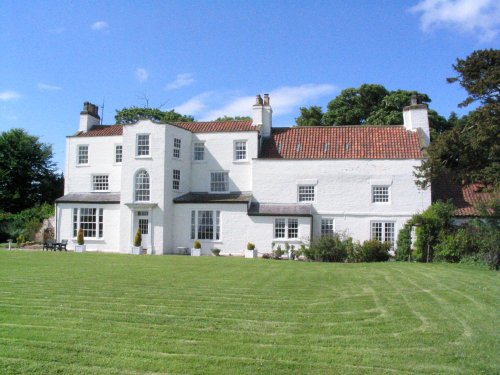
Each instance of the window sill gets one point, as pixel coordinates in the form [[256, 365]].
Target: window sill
[[144, 157], [100, 191], [218, 192], [243, 161], [82, 165], [286, 240], [177, 159], [117, 164]]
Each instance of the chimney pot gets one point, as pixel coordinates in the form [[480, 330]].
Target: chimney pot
[[414, 100], [258, 100], [266, 99]]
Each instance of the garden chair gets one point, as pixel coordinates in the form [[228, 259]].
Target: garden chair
[[49, 245], [62, 245]]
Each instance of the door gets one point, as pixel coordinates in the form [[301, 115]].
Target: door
[[142, 222]]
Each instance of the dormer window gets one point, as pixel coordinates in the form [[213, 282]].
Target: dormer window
[[297, 147], [325, 147]]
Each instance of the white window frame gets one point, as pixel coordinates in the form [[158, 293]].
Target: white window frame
[[176, 179], [384, 225], [79, 215], [323, 232], [378, 196], [215, 224], [94, 182], [202, 146], [304, 186], [137, 145], [136, 190], [78, 148], [287, 228], [176, 153], [237, 151], [120, 146], [225, 182]]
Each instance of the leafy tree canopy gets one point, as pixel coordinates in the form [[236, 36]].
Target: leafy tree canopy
[[312, 116], [131, 115], [470, 150], [235, 118], [27, 172], [479, 74], [368, 104]]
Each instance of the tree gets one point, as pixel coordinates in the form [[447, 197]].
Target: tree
[[312, 116], [235, 118], [133, 114], [354, 106], [470, 150], [479, 74], [27, 173]]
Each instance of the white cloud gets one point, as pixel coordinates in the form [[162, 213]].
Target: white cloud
[[194, 105], [141, 74], [9, 95], [284, 100], [46, 87], [480, 17], [182, 80], [99, 25]]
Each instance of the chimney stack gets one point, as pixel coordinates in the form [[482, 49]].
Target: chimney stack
[[89, 117], [263, 115], [416, 117]]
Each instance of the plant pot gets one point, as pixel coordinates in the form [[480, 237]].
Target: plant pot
[[136, 250], [195, 252], [80, 248], [250, 253]]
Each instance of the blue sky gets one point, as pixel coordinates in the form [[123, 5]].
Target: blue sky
[[210, 58]]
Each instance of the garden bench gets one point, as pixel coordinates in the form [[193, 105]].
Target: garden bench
[[49, 245]]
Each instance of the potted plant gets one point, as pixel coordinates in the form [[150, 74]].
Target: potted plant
[[250, 252], [216, 251], [196, 250], [137, 248], [80, 246]]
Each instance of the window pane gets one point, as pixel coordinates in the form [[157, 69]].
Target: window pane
[[389, 233], [142, 186], [205, 225], [177, 148], [101, 222], [219, 182], [88, 222], [217, 225], [176, 178], [118, 153], [380, 194], [377, 231], [279, 228], [142, 144], [75, 222], [306, 193], [193, 225], [326, 227], [293, 228], [144, 226], [83, 155], [100, 182], [240, 150], [199, 151]]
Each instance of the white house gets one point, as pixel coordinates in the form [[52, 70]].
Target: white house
[[230, 183]]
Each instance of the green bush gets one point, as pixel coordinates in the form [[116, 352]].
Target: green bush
[[79, 237], [278, 252], [375, 251], [330, 248], [404, 243], [250, 246], [138, 238], [26, 222], [20, 240], [216, 251], [197, 244]]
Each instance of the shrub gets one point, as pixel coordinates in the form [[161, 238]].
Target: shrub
[[327, 249], [216, 251], [250, 246], [404, 243], [375, 251], [20, 240], [79, 237], [197, 244], [278, 252], [266, 256], [354, 254], [138, 238]]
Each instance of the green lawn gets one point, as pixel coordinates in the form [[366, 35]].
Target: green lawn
[[119, 314]]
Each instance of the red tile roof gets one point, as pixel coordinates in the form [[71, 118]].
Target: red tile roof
[[464, 198], [194, 127], [343, 142], [102, 131], [217, 126]]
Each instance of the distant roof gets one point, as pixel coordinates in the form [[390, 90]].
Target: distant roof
[[236, 197], [260, 209], [89, 197], [464, 198], [343, 142], [194, 127]]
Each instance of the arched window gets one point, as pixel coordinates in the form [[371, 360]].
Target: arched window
[[142, 186]]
